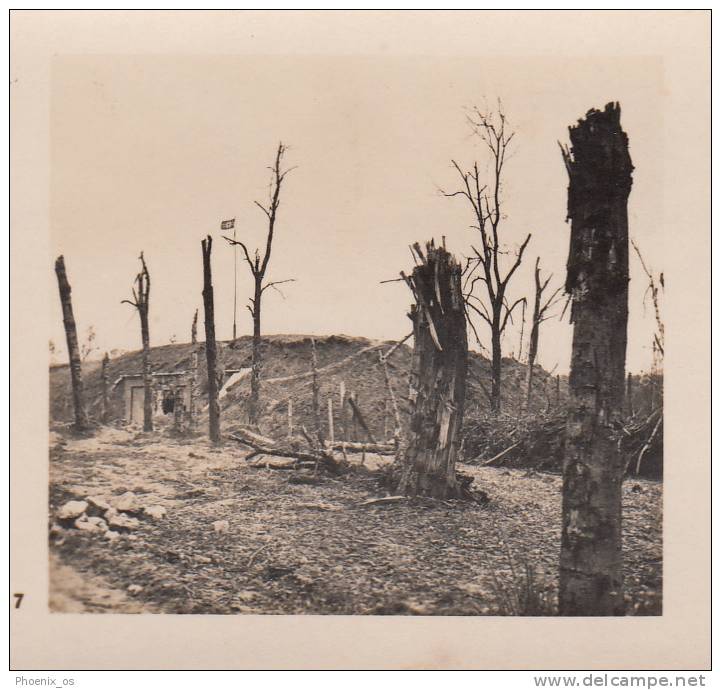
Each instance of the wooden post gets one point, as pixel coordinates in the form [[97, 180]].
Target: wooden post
[[210, 346], [385, 419], [106, 388], [290, 418], [331, 430], [599, 169], [71, 337], [398, 439], [316, 395], [354, 421], [427, 465], [343, 415]]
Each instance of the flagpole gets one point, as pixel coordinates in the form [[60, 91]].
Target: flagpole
[[235, 282]]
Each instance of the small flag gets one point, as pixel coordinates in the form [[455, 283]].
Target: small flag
[[227, 224]]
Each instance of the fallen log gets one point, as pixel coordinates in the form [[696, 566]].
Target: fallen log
[[266, 446], [280, 463], [380, 448]]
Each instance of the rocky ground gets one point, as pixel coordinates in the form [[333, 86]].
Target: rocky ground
[[176, 526]]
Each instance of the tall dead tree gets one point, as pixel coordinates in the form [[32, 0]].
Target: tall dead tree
[[141, 302], [258, 268], [192, 384], [105, 377], [71, 336], [654, 292], [427, 464], [485, 267], [210, 345], [599, 169], [540, 309]]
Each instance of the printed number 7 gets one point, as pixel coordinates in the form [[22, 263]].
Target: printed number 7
[[18, 599]]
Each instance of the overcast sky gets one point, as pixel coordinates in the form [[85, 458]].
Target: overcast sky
[[152, 152]]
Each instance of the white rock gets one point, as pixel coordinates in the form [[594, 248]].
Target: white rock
[[122, 521], [72, 509], [128, 502], [155, 512], [99, 523], [98, 502], [221, 526], [91, 524], [135, 589]]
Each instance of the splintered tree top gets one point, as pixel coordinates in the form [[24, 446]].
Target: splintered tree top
[[599, 169]]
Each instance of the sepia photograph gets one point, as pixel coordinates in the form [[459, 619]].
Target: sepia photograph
[[367, 333]]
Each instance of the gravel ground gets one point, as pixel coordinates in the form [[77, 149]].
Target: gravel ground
[[302, 544]]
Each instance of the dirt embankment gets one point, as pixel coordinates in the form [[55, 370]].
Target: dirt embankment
[[286, 375]]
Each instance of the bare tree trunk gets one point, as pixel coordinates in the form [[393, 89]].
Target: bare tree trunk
[[71, 336], [533, 338], [258, 268], [599, 168], [147, 372], [210, 345], [539, 316], [523, 325], [141, 302], [629, 395], [193, 382], [106, 389], [428, 463], [496, 365], [254, 401], [558, 390]]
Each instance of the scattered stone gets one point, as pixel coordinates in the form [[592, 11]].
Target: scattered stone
[[99, 523], [155, 512], [134, 589], [91, 524], [127, 503], [246, 595], [122, 521], [221, 526], [98, 503], [72, 510], [111, 535], [203, 559], [57, 534]]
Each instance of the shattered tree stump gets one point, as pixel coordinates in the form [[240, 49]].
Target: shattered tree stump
[[427, 464], [599, 169]]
